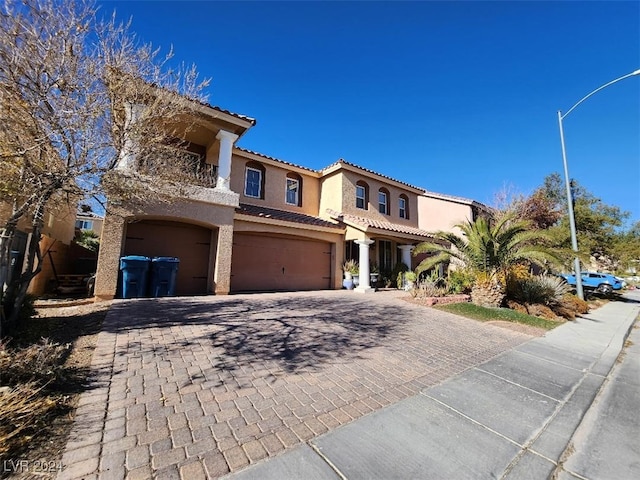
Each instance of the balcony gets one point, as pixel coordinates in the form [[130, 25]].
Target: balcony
[[179, 165]]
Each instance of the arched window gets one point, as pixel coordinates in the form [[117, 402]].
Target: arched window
[[403, 206], [293, 189], [254, 180], [362, 195], [383, 201]]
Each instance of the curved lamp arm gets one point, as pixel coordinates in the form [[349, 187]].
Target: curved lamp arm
[[572, 220], [636, 72]]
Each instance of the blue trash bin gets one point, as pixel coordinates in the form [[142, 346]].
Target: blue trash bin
[[135, 272], [163, 276]]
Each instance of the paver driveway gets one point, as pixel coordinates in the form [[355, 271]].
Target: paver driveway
[[200, 386]]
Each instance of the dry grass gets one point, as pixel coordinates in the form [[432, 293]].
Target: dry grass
[[43, 370]]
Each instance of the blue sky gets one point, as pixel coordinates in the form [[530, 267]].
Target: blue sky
[[455, 97]]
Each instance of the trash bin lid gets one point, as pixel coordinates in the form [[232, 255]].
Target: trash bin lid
[[166, 259], [140, 258]]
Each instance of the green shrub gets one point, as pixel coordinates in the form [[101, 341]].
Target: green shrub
[[397, 272], [460, 281]]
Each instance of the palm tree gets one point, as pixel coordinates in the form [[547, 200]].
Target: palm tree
[[489, 251]]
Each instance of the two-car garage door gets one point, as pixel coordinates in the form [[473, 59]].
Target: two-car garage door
[[265, 263]]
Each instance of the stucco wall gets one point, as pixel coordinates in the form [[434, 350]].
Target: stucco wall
[[437, 214], [349, 200], [275, 185], [58, 224], [331, 193], [197, 213]]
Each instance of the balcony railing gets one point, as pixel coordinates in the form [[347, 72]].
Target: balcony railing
[[182, 166]]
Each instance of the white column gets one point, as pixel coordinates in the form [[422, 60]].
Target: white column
[[406, 254], [224, 159], [363, 275], [132, 112]]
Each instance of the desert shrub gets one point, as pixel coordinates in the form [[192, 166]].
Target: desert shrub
[[429, 287], [570, 307], [543, 289], [40, 363], [23, 412], [460, 281], [541, 311]]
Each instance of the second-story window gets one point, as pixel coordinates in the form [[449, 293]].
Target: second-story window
[[293, 191], [383, 201], [253, 183], [362, 195], [403, 211]]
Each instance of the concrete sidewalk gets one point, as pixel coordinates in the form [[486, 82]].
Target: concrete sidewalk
[[556, 406]]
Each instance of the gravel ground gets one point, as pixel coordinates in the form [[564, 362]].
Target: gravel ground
[[63, 323]]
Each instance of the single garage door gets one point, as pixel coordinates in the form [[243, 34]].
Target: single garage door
[[264, 263], [189, 243]]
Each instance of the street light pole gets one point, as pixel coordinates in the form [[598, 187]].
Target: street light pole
[[572, 218]]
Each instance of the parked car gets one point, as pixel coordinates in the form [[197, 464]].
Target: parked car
[[600, 282]]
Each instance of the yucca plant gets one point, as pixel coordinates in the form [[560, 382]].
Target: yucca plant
[[542, 289]]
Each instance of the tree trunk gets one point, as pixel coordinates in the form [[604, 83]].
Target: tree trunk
[[17, 290], [487, 294]]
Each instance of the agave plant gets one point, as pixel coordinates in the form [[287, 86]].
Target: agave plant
[[489, 251]]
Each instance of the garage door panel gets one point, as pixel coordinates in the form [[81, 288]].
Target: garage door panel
[[189, 243], [277, 263]]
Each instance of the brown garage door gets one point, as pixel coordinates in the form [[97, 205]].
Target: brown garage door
[[189, 243], [276, 263]]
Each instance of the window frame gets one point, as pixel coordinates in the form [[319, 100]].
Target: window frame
[[246, 182], [365, 198], [403, 211], [84, 224], [287, 190], [383, 207]]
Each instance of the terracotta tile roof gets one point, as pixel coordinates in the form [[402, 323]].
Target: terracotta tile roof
[[466, 201], [370, 223], [283, 215], [344, 162], [246, 150], [237, 115]]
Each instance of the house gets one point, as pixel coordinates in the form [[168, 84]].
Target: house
[[89, 221], [252, 222], [55, 244], [440, 212]]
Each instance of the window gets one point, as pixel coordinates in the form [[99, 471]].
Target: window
[[383, 201], [254, 180], [84, 224], [253, 183], [362, 195], [384, 258], [293, 194], [403, 207]]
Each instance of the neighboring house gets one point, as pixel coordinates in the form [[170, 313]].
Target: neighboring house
[[261, 223], [440, 212], [89, 221], [57, 235]]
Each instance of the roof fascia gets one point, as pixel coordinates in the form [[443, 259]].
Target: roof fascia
[[275, 162], [379, 177], [283, 223]]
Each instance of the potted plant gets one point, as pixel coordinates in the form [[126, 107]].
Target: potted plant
[[374, 273], [350, 268], [410, 280]]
